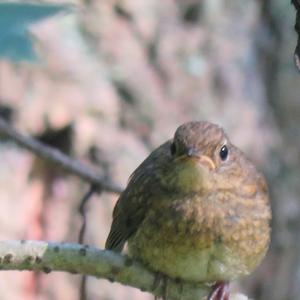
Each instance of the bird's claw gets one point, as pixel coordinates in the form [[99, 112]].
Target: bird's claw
[[220, 291], [161, 279]]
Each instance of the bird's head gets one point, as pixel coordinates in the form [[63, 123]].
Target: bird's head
[[201, 158]]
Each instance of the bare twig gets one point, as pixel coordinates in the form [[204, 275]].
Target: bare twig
[[83, 202], [93, 189], [76, 258], [82, 291], [57, 157]]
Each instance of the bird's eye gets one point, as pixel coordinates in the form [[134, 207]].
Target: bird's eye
[[224, 152], [173, 148]]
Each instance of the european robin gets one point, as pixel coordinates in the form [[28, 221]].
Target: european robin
[[196, 209]]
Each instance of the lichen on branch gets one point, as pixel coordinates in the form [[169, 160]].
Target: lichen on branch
[[88, 260]]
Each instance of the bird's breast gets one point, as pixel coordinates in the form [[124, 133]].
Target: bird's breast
[[201, 238]]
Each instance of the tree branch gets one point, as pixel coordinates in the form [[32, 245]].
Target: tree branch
[[57, 157], [87, 260]]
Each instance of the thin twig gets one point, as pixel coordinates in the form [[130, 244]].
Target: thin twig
[[57, 157], [87, 260], [82, 292], [81, 210]]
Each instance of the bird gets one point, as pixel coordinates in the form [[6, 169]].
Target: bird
[[196, 209]]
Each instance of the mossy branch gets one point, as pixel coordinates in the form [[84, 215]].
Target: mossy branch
[[87, 260]]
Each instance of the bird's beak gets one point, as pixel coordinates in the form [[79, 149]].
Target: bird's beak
[[207, 161], [202, 159]]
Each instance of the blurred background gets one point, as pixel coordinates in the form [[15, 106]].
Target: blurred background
[[108, 81]]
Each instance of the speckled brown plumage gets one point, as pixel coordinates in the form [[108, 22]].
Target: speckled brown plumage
[[191, 214]]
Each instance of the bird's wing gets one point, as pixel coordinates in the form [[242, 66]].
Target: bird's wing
[[143, 187]]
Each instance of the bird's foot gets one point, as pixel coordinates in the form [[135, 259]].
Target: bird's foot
[[220, 291], [161, 280]]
